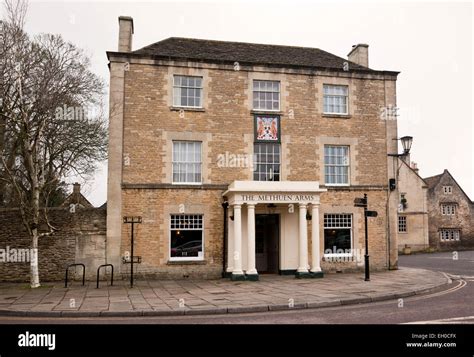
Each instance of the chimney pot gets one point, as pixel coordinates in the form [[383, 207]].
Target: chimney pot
[[125, 34], [359, 54]]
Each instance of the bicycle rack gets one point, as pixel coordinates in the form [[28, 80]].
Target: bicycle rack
[[83, 273], [112, 276]]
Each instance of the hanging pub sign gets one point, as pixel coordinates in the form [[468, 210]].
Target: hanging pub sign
[[267, 128]]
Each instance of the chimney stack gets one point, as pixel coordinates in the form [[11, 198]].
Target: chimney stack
[[359, 54], [414, 166], [76, 188], [125, 34]]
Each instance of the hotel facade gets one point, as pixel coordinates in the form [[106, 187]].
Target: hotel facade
[[244, 159]]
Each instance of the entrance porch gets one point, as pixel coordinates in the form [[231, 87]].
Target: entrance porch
[[268, 228]]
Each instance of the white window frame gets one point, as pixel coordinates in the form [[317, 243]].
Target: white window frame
[[173, 162], [326, 96], [266, 91], [451, 234], [448, 209], [348, 165], [180, 259], [448, 190], [177, 88], [339, 255], [402, 222], [261, 175]]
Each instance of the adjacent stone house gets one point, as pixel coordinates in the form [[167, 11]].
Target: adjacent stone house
[[451, 214], [412, 208], [245, 159]]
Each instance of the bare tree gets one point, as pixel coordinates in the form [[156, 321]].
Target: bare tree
[[51, 120]]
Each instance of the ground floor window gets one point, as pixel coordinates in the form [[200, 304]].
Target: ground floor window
[[186, 234], [449, 235], [337, 234], [402, 224]]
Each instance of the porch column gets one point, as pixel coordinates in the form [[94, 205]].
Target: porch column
[[315, 249], [237, 273], [251, 271], [303, 242]]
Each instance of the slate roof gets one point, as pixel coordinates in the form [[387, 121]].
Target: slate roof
[[432, 181], [246, 53]]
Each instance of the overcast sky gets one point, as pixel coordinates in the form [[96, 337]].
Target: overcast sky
[[429, 43]]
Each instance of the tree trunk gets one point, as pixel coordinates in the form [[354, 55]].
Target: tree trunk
[[34, 271], [34, 231]]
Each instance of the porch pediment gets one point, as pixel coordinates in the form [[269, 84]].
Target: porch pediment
[[286, 192]]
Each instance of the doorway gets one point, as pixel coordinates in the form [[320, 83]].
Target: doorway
[[267, 243]]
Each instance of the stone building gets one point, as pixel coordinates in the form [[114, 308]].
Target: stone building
[[451, 214], [412, 208], [246, 158]]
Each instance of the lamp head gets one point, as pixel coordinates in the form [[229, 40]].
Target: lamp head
[[406, 143]]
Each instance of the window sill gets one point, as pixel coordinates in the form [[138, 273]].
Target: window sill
[[267, 112], [187, 109], [186, 183], [338, 116], [186, 262]]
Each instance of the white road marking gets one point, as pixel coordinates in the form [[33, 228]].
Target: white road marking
[[463, 319], [451, 258]]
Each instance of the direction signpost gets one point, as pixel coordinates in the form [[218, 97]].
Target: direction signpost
[[132, 220], [362, 202]]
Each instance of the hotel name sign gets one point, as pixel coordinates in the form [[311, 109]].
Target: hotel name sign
[[277, 198]]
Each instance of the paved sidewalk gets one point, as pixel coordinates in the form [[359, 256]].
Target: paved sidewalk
[[165, 298]]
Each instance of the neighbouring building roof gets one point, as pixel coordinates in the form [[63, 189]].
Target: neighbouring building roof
[[433, 181], [246, 53], [415, 172], [76, 197]]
